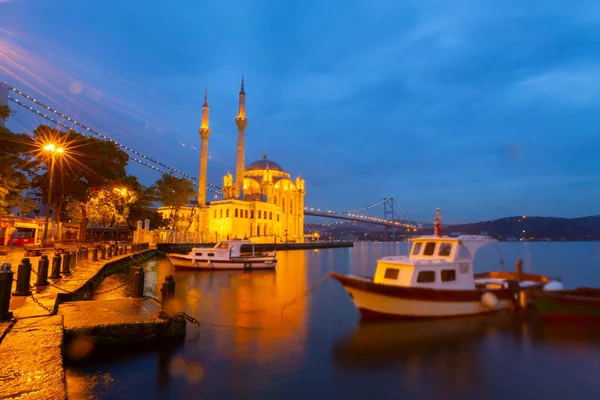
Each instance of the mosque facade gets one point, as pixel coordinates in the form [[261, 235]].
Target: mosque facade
[[261, 202]]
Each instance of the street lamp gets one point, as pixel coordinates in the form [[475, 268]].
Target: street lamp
[[54, 150]]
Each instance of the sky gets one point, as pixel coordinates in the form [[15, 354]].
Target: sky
[[485, 109]]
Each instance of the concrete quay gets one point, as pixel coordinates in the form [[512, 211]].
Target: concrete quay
[[51, 323]]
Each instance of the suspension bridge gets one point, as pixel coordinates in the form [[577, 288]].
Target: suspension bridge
[[393, 218]]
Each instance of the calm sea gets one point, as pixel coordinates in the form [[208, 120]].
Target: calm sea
[[264, 337]]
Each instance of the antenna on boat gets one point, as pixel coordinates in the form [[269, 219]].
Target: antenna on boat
[[437, 226]]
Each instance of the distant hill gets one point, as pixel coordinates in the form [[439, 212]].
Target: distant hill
[[535, 228]]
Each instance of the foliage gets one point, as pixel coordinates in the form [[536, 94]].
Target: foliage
[[110, 207], [5, 113], [86, 163], [15, 153], [172, 192]]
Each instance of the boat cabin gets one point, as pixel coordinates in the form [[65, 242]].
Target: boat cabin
[[222, 250], [433, 262]]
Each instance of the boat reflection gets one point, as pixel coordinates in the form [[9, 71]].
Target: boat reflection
[[381, 343]]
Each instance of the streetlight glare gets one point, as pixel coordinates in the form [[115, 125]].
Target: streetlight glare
[[52, 148]]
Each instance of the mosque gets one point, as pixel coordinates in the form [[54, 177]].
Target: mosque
[[260, 203]]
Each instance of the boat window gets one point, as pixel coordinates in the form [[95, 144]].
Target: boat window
[[391, 273], [198, 254], [223, 245], [416, 249], [448, 275], [429, 249], [426, 276], [445, 249], [210, 254]]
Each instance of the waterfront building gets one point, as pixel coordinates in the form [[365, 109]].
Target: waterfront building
[[262, 202]]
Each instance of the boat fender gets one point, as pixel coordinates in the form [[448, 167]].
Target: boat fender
[[489, 299], [247, 265], [553, 285]]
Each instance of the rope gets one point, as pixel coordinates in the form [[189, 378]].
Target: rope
[[501, 259], [309, 291]]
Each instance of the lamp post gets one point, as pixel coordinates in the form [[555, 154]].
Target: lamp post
[[54, 150]]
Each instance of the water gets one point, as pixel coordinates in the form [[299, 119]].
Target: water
[[264, 337]]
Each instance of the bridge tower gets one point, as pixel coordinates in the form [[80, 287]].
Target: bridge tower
[[241, 123], [390, 215]]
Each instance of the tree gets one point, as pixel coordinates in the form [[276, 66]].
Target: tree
[[86, 163], [15, 169], [173, 192], [110, 207], [5, 113], [142, 208]]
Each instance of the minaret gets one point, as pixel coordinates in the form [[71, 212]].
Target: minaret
[[204, 134], [241, 123]]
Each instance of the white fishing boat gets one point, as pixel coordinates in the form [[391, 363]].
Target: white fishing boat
[[436, 280], [225, 255]]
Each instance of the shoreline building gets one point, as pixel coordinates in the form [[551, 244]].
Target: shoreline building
[[261, 203]]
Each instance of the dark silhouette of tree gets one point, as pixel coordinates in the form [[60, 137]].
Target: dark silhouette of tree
[[173, 192]]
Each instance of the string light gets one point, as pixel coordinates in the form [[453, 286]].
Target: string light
[[210, 187]]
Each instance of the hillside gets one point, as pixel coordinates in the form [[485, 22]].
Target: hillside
[[534, 228]]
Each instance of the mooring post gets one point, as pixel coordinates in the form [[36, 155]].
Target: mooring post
[[168, 289], [56, 260], [23, 278], [109, 251], [95, 253], [74, 258], [103, 252], [42, 273], [6, 278], [66, 263], [138, 283]]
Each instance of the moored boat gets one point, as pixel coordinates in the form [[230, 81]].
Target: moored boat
[[225, 255], [436, 280], [578, 304]]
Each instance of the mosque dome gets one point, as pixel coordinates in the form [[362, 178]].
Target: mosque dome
[[261, 165]]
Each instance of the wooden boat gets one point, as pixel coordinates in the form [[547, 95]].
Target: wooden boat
[[225, 255], [579, 304], [436, 280]]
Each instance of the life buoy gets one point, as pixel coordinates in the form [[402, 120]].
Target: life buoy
[[247, 265]]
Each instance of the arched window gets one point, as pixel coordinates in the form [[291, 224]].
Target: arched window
[[221, 213], [291, 206], [270, 215], [227, 213], [252, 214], [245, 213], [275, 200], [259, 214], [257, 230], [215, 214], [236, 212]]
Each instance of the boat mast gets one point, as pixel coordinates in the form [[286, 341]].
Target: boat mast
[[437, 226]]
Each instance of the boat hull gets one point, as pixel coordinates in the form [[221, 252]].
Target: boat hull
[[181, 262], [376, 301], [582, 304]]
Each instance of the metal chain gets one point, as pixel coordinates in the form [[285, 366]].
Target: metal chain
[[193, 320], [36, 301], [115, 288]]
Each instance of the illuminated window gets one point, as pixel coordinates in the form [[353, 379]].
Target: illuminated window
[[271, 215], [445, 249], [221, 213], [236, 212], [259, 214], [227, 213]]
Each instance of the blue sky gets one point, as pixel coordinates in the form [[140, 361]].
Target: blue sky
[[485, 109]]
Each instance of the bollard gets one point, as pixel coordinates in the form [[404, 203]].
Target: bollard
[[66, 264], [23, 278], [138, 283], [122, 250], [109, 251], [103, 252], [168, 289], [6, 278], [42, 273], [116, 248], [74, 258], [125, 249], [55, 267], [95, 254]]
